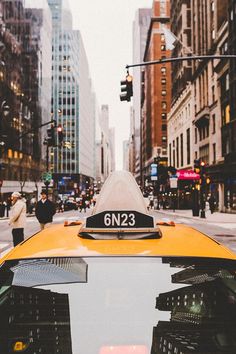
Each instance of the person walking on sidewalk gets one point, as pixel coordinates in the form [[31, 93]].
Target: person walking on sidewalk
[[17, 217], [212, 203], [44, 211]]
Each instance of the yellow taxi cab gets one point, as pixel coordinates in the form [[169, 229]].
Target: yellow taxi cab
[[120, 282]]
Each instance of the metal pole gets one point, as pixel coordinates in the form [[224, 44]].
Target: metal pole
[[47, 169], [194, 57], [202, 203]]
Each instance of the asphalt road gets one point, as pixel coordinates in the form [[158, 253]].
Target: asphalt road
[[225, 234]]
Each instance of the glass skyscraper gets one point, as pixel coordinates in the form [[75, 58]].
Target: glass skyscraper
[[72, 104]]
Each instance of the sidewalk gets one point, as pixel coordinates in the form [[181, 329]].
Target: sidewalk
[[213, 218], [7, 217]]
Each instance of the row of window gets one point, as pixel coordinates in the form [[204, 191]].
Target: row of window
[[65, 100], [176, 150]]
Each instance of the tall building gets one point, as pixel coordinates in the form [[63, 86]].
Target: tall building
[[228, 130], [25, 64], [211, 92], [112, 147], [126, 162], [140, 28], [106, 144], [157, 89], [73, 102], [37, 318], [180, 126], [38, 14]]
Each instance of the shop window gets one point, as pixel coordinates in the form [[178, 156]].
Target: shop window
[[10, 153]]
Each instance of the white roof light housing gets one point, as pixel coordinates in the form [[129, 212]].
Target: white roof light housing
[[120, 211]]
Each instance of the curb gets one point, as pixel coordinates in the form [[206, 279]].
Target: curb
[[192, 217]]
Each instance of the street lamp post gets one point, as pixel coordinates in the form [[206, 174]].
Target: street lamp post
[[4, 112]]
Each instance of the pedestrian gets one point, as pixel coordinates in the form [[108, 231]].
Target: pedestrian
[[151, 201], [17, 217], [83, 204], [44, 211], [212, 202]]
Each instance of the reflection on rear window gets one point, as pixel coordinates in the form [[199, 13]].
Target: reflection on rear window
[[118, 305]]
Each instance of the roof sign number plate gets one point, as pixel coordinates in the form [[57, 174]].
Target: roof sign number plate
[[120, 219]]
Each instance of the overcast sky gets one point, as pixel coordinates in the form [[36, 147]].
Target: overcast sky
[[106, 28]]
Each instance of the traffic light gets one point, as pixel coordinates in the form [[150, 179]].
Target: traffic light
[[197, 166], [126, 88], [202, 168], [51, 141], [60, 134]]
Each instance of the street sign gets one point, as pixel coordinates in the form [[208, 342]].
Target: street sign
[[153, 172], [173, 182], [47, 176]]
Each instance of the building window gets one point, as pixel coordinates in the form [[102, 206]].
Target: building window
[[225, 115], [213, 94], [163, 70], [173, 152], [170, 160], [164, 116], [213, 124], [163, 92], [195, 135], [164, 127], [204, 153], [213, 34], [163, 81], [162, 8], [181, 150], [214, 153], [177, 151], [188, 145], [163, 105], [163, 47], [227, 82]]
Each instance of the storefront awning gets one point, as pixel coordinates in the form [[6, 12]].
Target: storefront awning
[[187, 175]]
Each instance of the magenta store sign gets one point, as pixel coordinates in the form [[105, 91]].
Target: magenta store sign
[[187, 175]]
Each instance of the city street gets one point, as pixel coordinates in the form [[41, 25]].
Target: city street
[[223, 230]]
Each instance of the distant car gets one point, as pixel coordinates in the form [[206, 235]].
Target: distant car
[[70, 205], [118, 282]]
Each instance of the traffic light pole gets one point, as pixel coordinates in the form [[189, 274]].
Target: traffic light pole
[[38, 127], [47, 169], [193, 57], [202, 203]]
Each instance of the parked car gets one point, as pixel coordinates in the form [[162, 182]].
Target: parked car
[[70, 205]]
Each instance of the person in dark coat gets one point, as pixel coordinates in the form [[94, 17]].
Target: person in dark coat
[[44, 211], [212, 203]]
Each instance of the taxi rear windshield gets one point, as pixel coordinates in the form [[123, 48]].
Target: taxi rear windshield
[[118, 305]]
